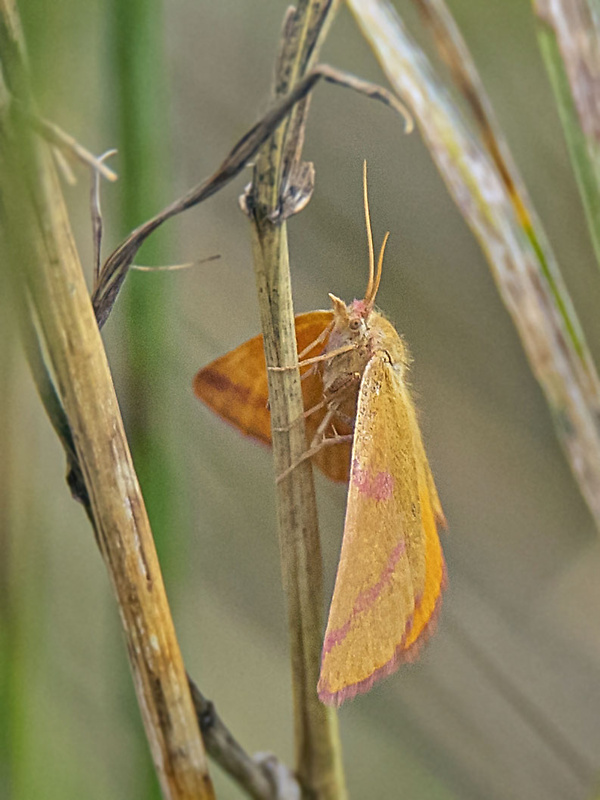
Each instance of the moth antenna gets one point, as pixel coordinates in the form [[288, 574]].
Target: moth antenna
[[369, 291], [379, 269]]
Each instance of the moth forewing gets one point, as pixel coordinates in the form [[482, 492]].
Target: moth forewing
[[235, 385], [381, 576], [429, 602]]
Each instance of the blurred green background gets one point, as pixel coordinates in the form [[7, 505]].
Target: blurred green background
[[504, 701]]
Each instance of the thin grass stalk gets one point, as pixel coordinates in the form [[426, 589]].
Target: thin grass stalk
[[255, 775], [569, 38], [318, 749], [511, 238], [42, 252], [454, 51]]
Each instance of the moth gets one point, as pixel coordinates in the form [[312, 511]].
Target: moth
[[362, 428]]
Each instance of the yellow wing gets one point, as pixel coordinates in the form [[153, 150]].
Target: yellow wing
[[391, 571]]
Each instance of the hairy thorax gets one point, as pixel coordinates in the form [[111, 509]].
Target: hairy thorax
[[368, 332]]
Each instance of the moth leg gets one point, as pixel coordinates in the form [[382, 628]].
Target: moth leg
[[343, 383], [323, 357], [310, 411], [302, 363], [312, 451], [319, 439], [333, 410], [347, 420], [306, 414], [310, 371], [320, 432], [319, 340], [333, 404], [304, 375]]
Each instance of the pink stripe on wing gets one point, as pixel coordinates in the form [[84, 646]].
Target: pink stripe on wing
[[401, 656], [366, 599], [378, 487]]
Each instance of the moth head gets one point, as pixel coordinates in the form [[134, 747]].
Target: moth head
[[350, 320]]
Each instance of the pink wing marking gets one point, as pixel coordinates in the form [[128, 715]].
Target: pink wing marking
[[401, 656], [365, 599], [378, 487]]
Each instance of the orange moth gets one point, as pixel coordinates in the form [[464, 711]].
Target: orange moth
[[362, 426]]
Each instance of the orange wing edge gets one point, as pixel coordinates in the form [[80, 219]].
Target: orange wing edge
[[215, 380], [402, 655]]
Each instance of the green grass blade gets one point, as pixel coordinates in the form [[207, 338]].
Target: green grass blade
[[137, 35], [569, 38], [142, 141]]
